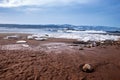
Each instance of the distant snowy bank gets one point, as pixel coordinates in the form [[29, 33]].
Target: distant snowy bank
[[84, 36]]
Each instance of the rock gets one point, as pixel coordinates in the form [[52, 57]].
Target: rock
[[81, 48], [87, 68], [21, 42]]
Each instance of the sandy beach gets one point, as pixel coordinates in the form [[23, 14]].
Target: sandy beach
[[57, 59], [59, 39]]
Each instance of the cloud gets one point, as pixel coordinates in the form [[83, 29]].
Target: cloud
[[41, 3]]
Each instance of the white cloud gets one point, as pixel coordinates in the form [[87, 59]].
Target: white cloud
[[41, 3]]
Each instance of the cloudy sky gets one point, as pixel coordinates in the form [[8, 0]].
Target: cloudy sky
[[76, 12]]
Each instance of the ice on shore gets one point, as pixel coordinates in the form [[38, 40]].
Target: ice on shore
[[98, 37], [21, 41], [15, 47], [12, 37], [30, 37], [38, 37], [87, 31], [25, 45], [84, 36], [88, 35]]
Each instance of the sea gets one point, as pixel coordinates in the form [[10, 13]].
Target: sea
[[84, 33]]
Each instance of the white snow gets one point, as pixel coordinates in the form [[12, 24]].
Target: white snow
[[30, 37], [40, 39], [11, 37], [85, 36], [87, 31], [25, 45], [21, 41]]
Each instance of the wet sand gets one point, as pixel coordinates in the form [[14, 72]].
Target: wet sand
[[58, 59]]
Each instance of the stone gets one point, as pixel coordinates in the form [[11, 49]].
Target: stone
[[81, 48], [87, 68]]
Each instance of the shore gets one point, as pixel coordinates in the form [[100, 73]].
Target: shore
[[57, 59]]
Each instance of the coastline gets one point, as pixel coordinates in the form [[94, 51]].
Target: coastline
[[57, 59]]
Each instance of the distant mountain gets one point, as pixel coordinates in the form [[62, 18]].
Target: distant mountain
[[64, 26]]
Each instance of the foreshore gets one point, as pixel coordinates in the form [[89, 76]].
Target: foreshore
[[57, 59]]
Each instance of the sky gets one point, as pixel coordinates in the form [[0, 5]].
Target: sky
[[75, 12]]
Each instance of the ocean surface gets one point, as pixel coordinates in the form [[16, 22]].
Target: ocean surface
[[85, 33]]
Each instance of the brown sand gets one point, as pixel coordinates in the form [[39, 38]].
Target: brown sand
[[66, 65]]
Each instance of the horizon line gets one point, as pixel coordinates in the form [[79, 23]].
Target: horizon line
[[54, 24]]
